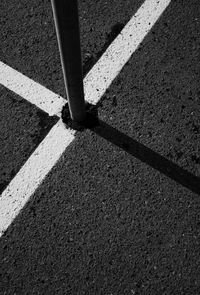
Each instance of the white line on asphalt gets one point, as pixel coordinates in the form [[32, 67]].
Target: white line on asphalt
[[119, 52], [33, 172], [96, 82], [30, 90]]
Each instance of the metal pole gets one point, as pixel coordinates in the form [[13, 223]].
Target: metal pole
[[67, 28]]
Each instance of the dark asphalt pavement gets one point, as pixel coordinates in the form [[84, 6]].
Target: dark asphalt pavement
[[29, 45], [23, 127], [120, 212]]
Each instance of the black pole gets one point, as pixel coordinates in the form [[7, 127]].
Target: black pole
[[68, 34]]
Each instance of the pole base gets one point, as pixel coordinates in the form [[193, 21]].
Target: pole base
[[89, 122]]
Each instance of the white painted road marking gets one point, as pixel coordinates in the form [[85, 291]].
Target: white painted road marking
[[96, 82], [30, 90], [119, 52], [33, 172]]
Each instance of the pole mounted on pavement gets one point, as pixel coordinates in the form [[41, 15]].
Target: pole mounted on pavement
[[66, 20]]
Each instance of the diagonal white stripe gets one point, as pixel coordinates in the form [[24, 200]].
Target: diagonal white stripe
[[119, 52], [30, 90], [33, 172], [96, 82]]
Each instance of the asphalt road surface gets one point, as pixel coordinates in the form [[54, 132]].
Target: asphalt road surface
[[120, 211]]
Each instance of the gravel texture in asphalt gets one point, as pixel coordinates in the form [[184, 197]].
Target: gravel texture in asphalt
[[119, 213], [23, 127]]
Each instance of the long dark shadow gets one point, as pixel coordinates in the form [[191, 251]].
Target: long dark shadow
[[148, 156]]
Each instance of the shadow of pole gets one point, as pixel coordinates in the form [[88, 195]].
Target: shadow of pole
[[148, 156]]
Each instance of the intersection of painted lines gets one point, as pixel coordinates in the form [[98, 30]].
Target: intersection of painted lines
[[34, 171]]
